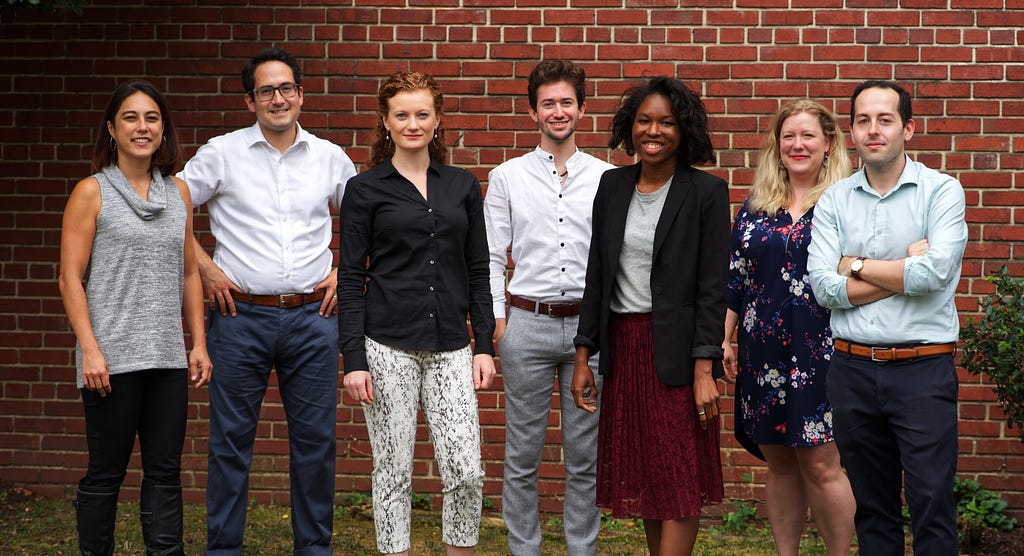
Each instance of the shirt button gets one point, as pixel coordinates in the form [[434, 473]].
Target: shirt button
[[562, 293], [559, 195], [431, 234], [430, 210], [559, 219], [563, 269], [431, 288], [431, 315], [431, 261], [561, 245]]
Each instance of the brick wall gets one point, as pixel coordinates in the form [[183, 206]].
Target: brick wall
[[962, 60]]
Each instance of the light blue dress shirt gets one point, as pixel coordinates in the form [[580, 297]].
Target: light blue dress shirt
[[851, 219]]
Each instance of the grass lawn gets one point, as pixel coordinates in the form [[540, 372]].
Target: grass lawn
[[36, 526]]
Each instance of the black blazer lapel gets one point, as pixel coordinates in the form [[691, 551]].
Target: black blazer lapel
[[620, 198], [682, 184]]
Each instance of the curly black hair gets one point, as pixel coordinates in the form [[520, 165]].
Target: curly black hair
[[695, 141]]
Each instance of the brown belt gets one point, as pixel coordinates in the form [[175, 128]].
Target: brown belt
[[892, 353], [284, 301], [553, 310]]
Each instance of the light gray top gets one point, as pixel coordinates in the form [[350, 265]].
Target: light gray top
[[632, 292], [135, 278]]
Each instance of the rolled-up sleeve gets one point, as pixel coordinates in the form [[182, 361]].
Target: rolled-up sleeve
[[947, 239], [203, 174], [824, 253]]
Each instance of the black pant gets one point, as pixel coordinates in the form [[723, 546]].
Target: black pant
[[895, 422], [150, 403]]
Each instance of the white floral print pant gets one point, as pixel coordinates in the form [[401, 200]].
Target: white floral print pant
[[440, 382]]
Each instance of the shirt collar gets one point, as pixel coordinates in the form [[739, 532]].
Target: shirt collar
[[548, 157], [254, 136], [909, 177], [388, 168]]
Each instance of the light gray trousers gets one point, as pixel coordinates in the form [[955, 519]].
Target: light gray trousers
[[534, 349]]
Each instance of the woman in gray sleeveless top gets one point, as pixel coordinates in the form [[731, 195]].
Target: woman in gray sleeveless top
[[127, 275]]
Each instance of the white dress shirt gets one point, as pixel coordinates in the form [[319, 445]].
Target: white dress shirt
[[270, 212], [547, 223]]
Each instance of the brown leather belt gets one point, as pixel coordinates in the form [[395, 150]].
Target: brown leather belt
[[553, 310], [284, 301], [875, 353]]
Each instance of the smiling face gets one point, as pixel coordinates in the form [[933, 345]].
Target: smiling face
[[879, 134], [557, 113], [411, 119], [279, 114], [803, 146], [138, 127], [656, 133]]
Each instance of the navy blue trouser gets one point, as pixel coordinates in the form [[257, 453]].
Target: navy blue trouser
[[302, 347], [896, 422], [151, 404]]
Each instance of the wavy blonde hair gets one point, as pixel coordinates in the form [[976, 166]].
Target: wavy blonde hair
[[771, 189]]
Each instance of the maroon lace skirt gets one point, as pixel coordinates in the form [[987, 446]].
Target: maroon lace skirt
[[653, 459]]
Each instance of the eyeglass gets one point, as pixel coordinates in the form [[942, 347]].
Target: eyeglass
[[287, 90]]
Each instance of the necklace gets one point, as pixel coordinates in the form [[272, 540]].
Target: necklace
[[563, 174]]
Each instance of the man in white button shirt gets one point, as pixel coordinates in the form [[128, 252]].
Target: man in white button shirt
[[541, 204], [269, 189]]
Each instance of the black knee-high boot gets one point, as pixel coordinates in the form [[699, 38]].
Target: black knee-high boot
[[161, 519], [95, 513]]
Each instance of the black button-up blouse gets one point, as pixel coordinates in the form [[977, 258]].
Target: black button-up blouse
[[411, 269]]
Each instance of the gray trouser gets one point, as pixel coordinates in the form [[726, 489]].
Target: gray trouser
[[534, 349]]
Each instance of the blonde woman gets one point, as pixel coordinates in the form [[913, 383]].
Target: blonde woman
[[782, 412]]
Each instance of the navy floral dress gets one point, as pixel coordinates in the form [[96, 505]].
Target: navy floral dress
[[785, 342]]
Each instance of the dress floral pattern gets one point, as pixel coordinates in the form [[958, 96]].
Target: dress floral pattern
[[785, 342]]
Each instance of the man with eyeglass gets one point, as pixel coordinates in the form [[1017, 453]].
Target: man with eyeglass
[[269, 189]]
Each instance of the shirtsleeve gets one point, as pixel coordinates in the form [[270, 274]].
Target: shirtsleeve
[[354, 245], [498, 218], [203, 173], [738, 264], [824, 253], [481, 317], [345, 172], [947, 239]]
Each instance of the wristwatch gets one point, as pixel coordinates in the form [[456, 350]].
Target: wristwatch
[[856, 266]]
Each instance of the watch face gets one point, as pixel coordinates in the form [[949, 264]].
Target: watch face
[[856, 265]]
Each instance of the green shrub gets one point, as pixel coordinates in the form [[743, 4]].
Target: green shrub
[[994, 345], [980, 506], [741, 520]]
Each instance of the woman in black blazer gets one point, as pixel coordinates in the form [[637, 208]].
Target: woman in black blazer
[[654, 307]]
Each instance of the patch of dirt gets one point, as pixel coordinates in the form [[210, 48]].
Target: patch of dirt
[[987, 542]]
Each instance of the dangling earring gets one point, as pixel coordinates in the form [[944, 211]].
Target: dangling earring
[[435, 133], [387, 135], [824, 161]]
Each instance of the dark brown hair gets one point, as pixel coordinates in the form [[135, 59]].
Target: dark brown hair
[[553, 71], [167, 157]]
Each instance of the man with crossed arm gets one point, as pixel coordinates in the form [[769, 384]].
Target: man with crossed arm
[[885, 256]]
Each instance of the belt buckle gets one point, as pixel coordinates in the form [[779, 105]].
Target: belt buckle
[[550, 310], [282, 301], [876, 358]]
